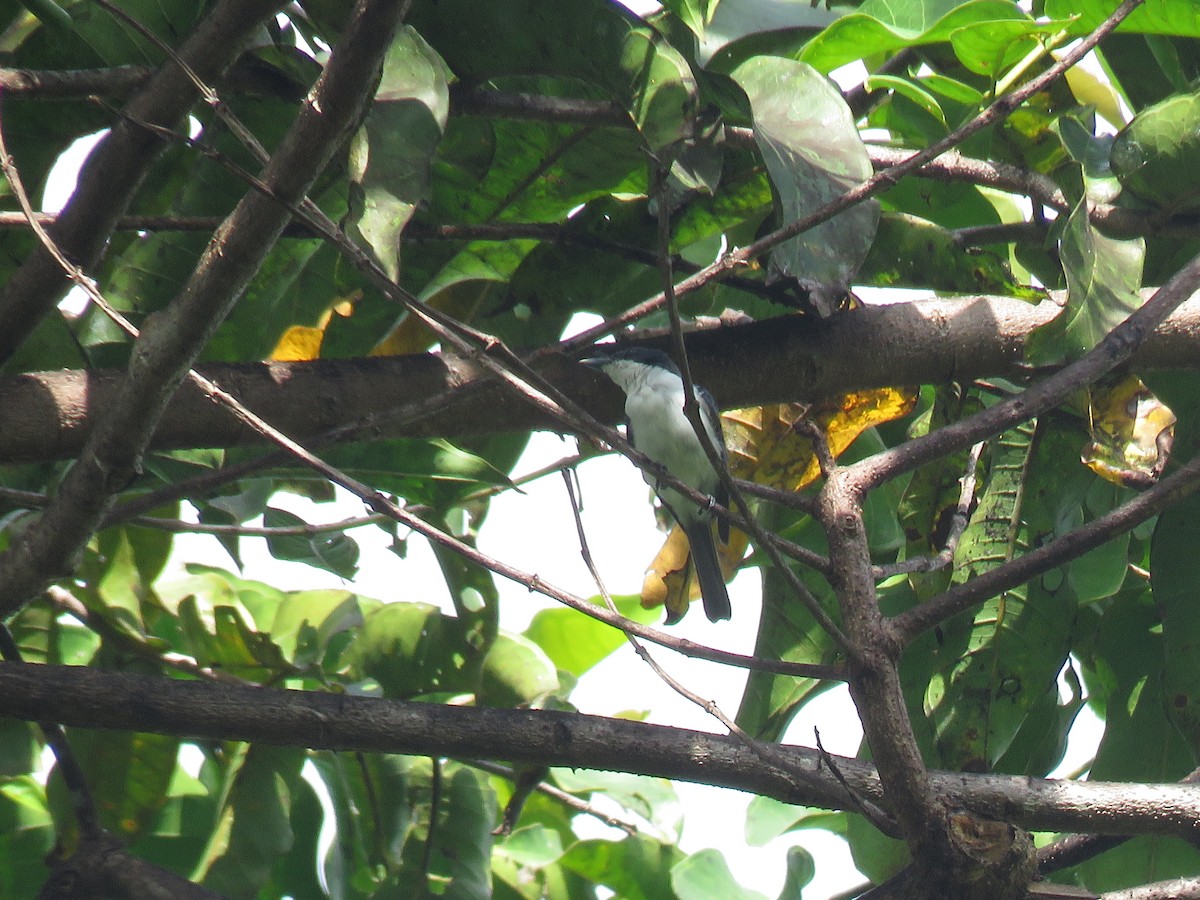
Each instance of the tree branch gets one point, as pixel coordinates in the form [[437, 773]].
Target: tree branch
[[794, 358], [91, 698]]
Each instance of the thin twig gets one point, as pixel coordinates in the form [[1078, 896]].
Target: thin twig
[[558, 794], [65, 602], [68, 764], [958, 525]]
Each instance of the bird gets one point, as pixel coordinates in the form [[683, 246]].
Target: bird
[[655, 424]]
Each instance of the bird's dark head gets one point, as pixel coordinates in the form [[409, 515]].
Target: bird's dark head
[[637, 356]]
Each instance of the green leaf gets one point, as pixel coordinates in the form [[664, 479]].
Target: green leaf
[[253, 830], [390, 156], [406, 466], [534, 846], [1175, 579], [910, 89], [575, 642], [996, 664], [880, 27], [586, 40], [637, 868], [1153, 16], [801, 869], [410, 649], [308, 620], [768, 818], [654, 799], [695, 14], [1151, 151], [329, 550], [516, 673], [706, 876], [992, 47], [787, 631], [814, 154], [1103, 278], [912, 252], [127, 774], [26, 837], [462, 848]]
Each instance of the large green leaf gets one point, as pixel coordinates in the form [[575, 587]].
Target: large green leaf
[[516, 673], [1175, 578], [253, 830], [1103, 278], [575, 642], [1175, 17], [332, 551], [411, 649], [814, 154], [1000, 662], [1152, 150], [127, 775], [391, 154], [637, 868], [706, 876], [788, 632], [26, 837], [879, 26], [1125, 680]]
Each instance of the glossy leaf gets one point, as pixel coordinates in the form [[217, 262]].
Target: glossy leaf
[[1151, 151], [1103, 278], [814, 154], [333, 551], [390, 156], [878, 26]]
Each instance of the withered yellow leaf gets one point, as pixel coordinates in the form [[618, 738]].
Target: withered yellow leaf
[[765, 447]]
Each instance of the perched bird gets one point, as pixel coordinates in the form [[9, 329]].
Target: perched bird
[[656, 426]]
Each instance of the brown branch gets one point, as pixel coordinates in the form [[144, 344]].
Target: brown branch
[[91, 698], [49, 414], [117, 165]]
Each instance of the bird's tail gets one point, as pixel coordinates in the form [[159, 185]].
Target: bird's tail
[[708, 571]]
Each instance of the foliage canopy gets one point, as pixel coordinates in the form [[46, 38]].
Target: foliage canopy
[[495, 169]]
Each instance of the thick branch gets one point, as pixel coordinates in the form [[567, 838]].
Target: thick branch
[[91, 698], [794, 358], [111, 175]]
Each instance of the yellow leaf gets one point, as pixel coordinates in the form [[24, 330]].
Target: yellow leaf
[[671, 582], [300, 342], [764, 447], [1131, 432], [303, 342]]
